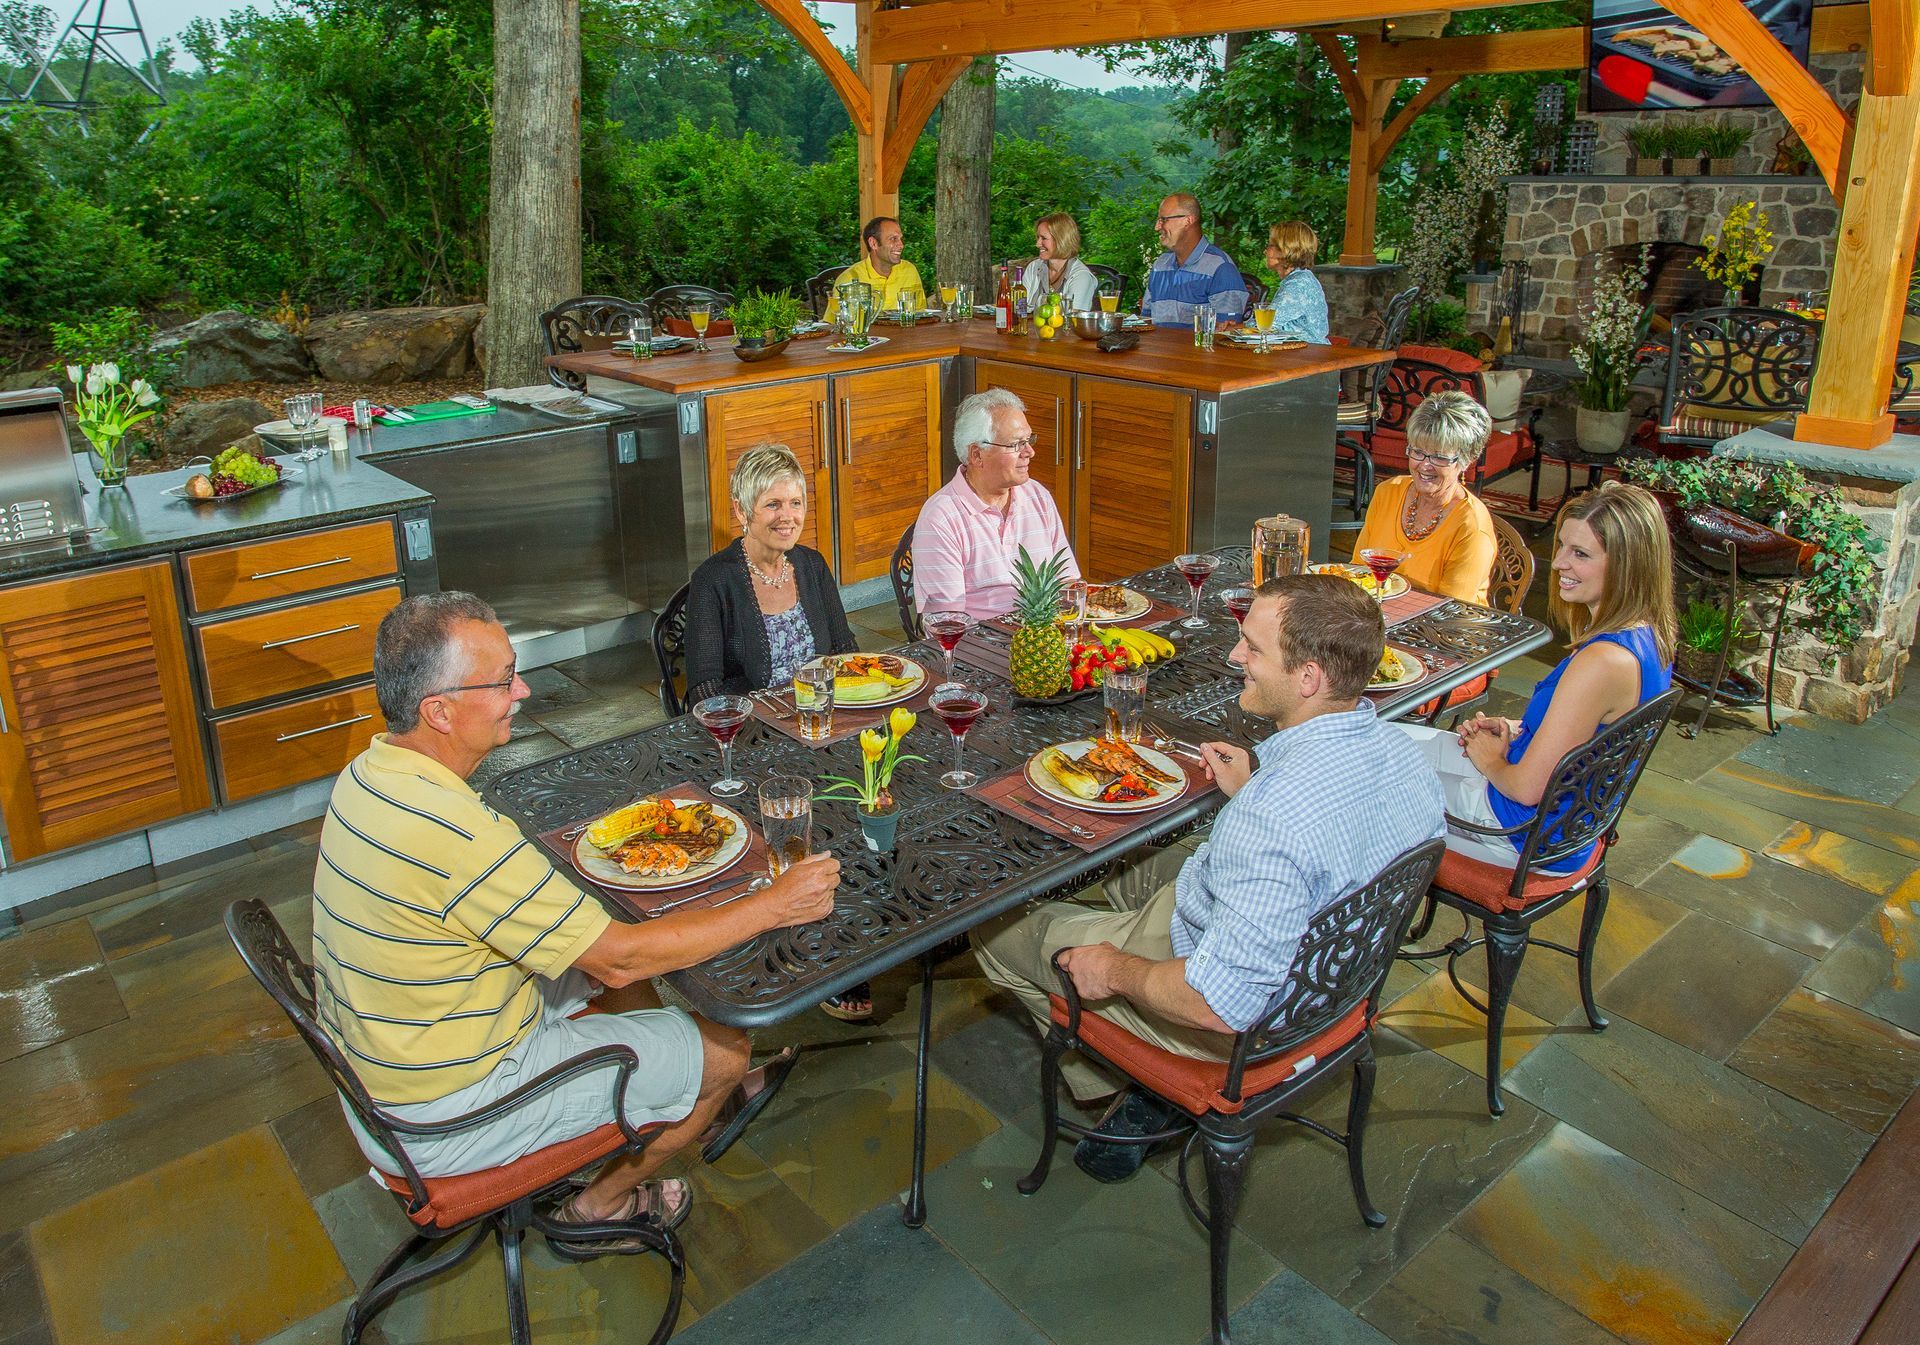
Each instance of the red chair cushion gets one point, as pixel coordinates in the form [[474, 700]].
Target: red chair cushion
[[1506, 449], [1195, 1084], [681, 327], [452, 1201], [1460, 695], [1491, 886]]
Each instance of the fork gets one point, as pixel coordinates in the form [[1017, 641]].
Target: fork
[[774, 705], [1038, 811], [1163, 742]]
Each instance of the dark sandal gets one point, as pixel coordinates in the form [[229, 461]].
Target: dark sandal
[[650, 1202], [852, 1005], [738, 1111]]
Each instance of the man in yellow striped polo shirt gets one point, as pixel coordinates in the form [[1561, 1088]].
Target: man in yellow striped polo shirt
[[450, 956]]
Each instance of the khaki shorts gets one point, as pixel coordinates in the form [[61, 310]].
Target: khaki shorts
[[663, 1088]]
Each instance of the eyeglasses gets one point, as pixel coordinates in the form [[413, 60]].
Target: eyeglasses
[[1441, 459], [1017, 446], [1158, 220], [503, 685]]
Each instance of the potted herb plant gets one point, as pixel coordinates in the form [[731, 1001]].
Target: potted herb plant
[[1648, 141], [763, 323], [1614, 320], [1705, 631], [1735, 255], [1687, 148], [1721, 144], [872, 792], [106, 409]]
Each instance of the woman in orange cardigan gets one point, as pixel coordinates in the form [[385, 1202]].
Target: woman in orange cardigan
[[1444, 529]]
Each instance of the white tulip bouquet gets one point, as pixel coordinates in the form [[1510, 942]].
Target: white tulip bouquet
[[107, 410]]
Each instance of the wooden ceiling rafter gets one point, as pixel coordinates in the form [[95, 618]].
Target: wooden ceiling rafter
[[807, 31]]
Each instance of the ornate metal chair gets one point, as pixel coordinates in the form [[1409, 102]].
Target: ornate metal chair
[[900, 571], [590, 322], [1112, 273], [669, 648], [1317, 1025], [1418, 372], [1730, 369], [820, 288], [669, 304], [1256, 291], [505, 1201], [1507, 587], [1356, 417], [1586, 794]]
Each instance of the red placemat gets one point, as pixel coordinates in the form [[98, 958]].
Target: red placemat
[[1408, 606], [732, 882], [1005, 792], [846, 723]]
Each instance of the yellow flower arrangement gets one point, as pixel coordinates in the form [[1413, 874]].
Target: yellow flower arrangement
[[1744, 243], [880, 754]]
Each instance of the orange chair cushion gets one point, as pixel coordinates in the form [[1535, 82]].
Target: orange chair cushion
[[1460, 695], [681, 327], [452, 1201], [1491, 886], [1195, 1084]]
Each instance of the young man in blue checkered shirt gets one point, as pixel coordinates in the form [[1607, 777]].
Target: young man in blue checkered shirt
[[1316, 810]]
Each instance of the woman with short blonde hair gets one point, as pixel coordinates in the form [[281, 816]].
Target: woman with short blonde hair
[[1429, 514], [1057, 268], [1299, 304]]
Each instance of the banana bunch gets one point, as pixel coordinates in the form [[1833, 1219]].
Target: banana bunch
[[1143, 645]]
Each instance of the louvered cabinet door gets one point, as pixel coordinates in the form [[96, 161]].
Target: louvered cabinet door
[[1131, 486], [100, 734], [887, 446], [794, 414]]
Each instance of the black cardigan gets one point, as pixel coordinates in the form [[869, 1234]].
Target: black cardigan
[[727, 649]]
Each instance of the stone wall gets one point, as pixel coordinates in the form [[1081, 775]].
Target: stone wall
[[1356, 295]]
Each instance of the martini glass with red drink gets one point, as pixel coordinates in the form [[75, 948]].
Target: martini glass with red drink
[[722, 716], [948, 628], [1238, 602], [958, 706], [1382, 562], [1195, 570]]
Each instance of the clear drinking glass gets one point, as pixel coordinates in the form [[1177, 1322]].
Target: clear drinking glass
[[722, 716], [1073, 611], [949, 299], [640, 332], [303, 409], [362, 414], [963, 301], [958, 707], [786, 819], [1195, 569], [698, 315], [1204, 320], [948, 628], [1109, 295], [1263, 319], [1124, 693], [905, 307], [813, 699]]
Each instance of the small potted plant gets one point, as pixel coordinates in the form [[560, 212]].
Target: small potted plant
[[106, 409], [1706, 630], [872, 793], [1722, 145], [1735, 254], [1648, 141], [1687, 148], [763, 323], [1615, 321]]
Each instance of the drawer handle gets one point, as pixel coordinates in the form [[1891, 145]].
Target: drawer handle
[[296, 569], [317, 635], [337, 724]]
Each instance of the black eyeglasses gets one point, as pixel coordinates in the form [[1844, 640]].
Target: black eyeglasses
[[503, 685], [1158, 220]]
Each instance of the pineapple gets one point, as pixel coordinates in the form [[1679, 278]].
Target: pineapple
[[1038, 660]]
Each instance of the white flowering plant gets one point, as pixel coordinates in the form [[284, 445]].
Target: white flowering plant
[[107, 408], [1615, 321], [1448, 220]]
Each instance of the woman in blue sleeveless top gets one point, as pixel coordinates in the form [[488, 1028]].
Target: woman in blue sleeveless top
[[1612, 589]]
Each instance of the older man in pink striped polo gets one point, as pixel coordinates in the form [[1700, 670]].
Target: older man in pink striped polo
[[972, 528]]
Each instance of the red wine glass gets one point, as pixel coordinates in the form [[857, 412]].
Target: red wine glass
[[1382, 563], [948, 628], [722, 716], [958, 706], [1195, 570], [1238, 602]]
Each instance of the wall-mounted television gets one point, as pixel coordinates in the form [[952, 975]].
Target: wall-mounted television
[[1642, 57]]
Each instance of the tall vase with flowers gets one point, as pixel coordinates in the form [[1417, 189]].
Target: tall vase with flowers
[[1614, 322], [1736, 254], [880, 754], [107, 409]]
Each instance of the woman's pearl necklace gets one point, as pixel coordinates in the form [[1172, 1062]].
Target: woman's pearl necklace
[[781, 576]]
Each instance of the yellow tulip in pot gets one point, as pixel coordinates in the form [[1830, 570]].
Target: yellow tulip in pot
[[872, 793]]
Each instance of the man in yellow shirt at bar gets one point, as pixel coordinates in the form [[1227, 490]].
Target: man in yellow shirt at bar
[[882, 268]]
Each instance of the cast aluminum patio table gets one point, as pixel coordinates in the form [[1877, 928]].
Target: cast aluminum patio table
[[958, 862]]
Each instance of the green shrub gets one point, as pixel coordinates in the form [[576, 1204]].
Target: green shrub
[[120, 335]]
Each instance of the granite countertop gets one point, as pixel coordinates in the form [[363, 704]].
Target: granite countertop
[[138, 520]]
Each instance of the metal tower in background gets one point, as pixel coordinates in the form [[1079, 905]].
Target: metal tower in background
[[93, 37]]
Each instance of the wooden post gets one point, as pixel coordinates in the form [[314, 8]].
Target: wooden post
[[1366, 107], [875, 197]]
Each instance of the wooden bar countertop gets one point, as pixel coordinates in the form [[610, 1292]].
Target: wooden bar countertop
[[1165, 356]]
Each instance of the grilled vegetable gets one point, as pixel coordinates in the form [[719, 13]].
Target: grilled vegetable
[[1070, 775]]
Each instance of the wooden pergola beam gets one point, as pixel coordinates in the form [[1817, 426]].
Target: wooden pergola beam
[[852, 90], [1342, 71], [992, 27], [920, 92], [1383, 144], [1891, 70]]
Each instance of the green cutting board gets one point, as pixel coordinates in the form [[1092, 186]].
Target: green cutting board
[[440, 411]]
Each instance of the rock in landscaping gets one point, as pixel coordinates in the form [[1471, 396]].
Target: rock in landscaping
[[395, 345], [204, 428], [232, 347]]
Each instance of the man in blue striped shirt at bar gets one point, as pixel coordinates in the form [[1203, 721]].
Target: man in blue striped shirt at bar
[[1192, 272], [1185, 961]]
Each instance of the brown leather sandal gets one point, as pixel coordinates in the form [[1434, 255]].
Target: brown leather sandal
[[666, 1201], [738, 1111]]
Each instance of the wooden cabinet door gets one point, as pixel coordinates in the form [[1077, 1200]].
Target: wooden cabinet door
[[888, 444], [794, 414], [1049, 399], [1130, 492], [100, 734]]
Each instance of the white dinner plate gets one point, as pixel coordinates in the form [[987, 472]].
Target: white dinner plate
[[872, 341], [1361, 575], [283, 429], [596, 864], [1133, 605], [1162, 794], [1411, 670], [916, 675]]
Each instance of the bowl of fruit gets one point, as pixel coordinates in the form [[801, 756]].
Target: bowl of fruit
[[236, 472]]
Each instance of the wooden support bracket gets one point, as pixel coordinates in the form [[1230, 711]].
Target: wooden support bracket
[[794, 17]]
